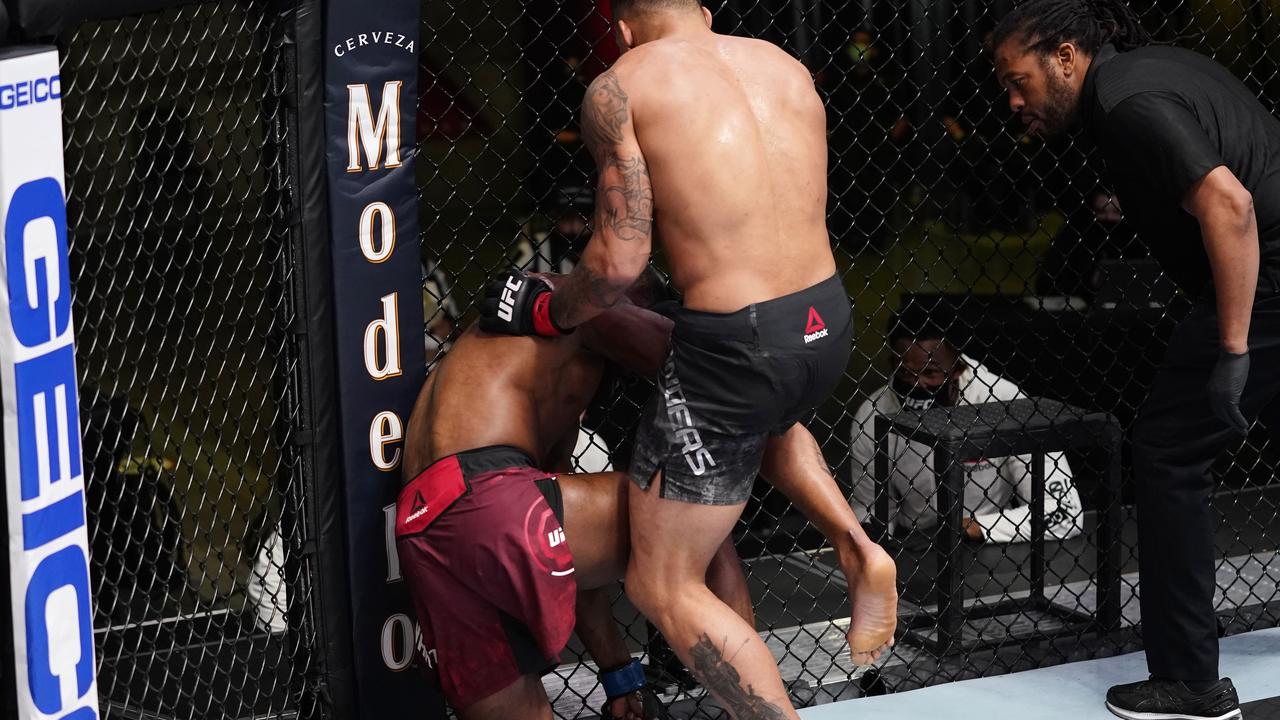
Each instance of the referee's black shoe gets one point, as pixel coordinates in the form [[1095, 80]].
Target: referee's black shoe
[[1156, 699]]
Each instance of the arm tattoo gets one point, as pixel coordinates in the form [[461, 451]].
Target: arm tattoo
[[583, 288], [624, 203], [625, 199], [718, 676], [604, 113], [627, 207]]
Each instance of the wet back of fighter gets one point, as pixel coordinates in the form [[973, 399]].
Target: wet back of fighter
[[734, 136]]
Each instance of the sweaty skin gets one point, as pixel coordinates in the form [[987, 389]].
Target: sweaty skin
[[719, 144], [502, 390]]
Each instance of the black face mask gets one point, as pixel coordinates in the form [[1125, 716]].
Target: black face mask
[[919, 397]]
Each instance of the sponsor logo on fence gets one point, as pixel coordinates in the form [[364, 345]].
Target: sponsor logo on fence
[[43, 472], [29, 92]]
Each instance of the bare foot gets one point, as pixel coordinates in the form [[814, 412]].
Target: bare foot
[[874, 595]]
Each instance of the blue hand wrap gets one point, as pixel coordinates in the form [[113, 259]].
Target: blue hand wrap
[[623, 681]]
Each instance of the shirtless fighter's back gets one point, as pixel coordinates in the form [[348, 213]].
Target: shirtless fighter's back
[[719, 143]]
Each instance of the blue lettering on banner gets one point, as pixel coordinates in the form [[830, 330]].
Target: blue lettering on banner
[[48, 419], [30, 92], [67, 567], [43, 526], [38, 315], [44, 394]]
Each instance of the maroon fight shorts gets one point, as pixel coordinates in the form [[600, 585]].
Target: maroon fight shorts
[[483, 552]]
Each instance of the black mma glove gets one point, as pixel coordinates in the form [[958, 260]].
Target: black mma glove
[[517, 304], [1226, 383]]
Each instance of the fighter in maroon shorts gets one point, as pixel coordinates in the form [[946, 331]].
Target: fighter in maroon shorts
[[485, 527]]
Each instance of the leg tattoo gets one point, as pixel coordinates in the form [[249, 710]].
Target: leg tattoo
[[718, 676]]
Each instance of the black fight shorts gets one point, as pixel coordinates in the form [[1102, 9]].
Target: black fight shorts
[[732, 379]]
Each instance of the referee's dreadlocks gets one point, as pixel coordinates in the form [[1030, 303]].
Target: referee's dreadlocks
[[1042, 25]]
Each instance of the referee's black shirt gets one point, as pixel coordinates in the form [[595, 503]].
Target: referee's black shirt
[[1163, 117]]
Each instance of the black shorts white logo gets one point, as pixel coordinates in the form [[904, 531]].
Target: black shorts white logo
[[696, 455]]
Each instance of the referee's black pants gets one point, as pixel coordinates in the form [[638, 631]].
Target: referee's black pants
[[1175, 441]]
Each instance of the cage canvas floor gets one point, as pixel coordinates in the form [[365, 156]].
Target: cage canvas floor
[[1069, 692], [792, 645]]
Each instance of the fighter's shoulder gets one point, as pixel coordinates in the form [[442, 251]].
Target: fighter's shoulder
[[621, 81], [639, 64], [777, 56], [786, 74]]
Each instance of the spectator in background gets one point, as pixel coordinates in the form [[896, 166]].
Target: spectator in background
[[931, 371], [557, 250], [1095, 233]]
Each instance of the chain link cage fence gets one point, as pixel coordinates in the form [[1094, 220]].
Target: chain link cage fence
[[949, 222], [179, 246]]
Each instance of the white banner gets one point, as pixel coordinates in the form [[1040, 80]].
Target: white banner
[[44, 477]]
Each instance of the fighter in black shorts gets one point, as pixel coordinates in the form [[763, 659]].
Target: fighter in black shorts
[[485, 527], [732, 380], [715, 145]]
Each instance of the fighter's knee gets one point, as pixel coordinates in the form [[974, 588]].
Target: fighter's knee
[[637, 585], [645, 589]]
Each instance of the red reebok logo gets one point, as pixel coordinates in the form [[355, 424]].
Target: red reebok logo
[[815, 321], [814, 329]]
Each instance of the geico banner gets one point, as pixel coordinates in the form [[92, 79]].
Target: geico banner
[[371, 65], [53, 663]]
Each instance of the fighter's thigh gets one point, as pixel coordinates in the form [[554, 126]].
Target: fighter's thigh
[[674, 539], [595, 526], [524, 698]]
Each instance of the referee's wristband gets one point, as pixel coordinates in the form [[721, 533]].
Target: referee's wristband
[[623, 681]]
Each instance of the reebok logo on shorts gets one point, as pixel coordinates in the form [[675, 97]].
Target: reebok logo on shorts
[[814, 329], [420, 507]]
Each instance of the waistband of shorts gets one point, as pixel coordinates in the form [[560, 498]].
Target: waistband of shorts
[[785, 311], [478, 461]]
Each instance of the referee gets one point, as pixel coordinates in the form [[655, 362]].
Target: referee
[[1195, 159]]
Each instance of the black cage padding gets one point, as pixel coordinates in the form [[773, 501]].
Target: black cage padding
[[46, 18]]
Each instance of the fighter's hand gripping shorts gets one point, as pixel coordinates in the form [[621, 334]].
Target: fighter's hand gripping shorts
[[483, 552]]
